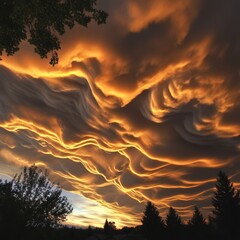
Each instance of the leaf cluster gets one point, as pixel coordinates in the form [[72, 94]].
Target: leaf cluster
[[41, 22], [35, 200]]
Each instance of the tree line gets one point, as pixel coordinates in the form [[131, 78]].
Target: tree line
[[31, 207], [222, 224]]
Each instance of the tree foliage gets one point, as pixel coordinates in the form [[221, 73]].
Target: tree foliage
[[226, 203], [152, 222], [173, 224], [34, 199], [31, 207], [9, 208], [42, 22], [198, 228], [173, 220], [109, 227], [197, 219]]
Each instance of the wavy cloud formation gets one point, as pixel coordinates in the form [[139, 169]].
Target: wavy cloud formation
[[143, 108]]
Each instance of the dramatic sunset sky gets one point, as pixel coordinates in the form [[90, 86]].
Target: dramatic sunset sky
[[146, 107]]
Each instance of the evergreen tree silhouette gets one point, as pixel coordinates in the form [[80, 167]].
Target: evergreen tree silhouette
[[226, 212], [109, 227], [106, 227], [152, 223], [197, 219], [197, 225], [174, 224]]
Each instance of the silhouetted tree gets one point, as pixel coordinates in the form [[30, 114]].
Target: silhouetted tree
[[9, 212], [41, 23], [41, 201], [109, 227], [90, 230], [152, 222], [226, 212], [174, 224], [29, 203], [197, 219], [112, 226], [197, 225], [106, 227]]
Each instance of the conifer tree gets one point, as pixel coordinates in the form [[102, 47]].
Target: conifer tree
[[109, 227], [173, 219], [197, 225], [173, 224], [226, 212], [106, 227], [152, 223], [197, 218]]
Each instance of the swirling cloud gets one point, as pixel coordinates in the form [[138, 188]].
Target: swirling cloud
[[143, 108]]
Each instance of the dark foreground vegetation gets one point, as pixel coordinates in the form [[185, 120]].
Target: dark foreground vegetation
[[41, 23], [31, 207]]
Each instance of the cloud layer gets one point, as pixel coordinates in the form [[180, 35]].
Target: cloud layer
[[143, 108]]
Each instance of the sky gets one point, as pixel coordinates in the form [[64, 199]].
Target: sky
[[143, 108]]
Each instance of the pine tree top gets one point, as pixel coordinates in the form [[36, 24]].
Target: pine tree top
[[173, 219], [197, 218], [151, 216], [226, 202]]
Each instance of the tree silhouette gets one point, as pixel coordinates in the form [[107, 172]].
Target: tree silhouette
[[31, 207], [173, 224], [112, 226], [30, 201], [152, 222], [41, 201], [9, 211], [106, 227], [41, 23], [198, 226], [109, 227], [226, 212], [197, 219]]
